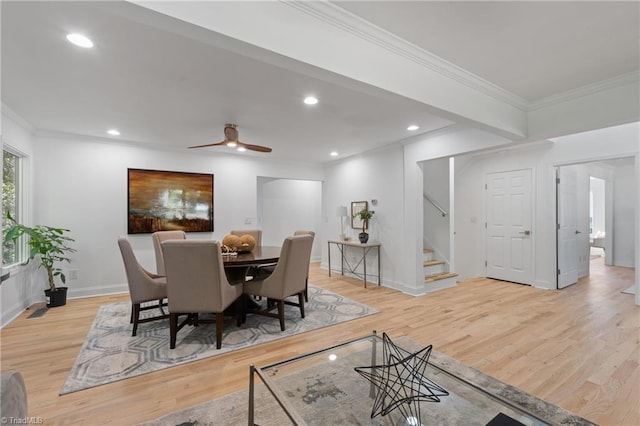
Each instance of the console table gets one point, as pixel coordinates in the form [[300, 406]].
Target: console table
[[344, 261]]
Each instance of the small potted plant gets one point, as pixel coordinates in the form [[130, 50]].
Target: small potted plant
[[51, 244], [364, 215]]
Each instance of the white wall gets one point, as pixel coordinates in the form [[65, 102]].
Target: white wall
[[23, 287], [287, 205], [445, 143], [376, 175], [597, 205], [620, 141], [81, 184], [624, 189], [436, 186]]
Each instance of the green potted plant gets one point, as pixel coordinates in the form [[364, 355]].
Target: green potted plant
[[364, 215], [51, 244]]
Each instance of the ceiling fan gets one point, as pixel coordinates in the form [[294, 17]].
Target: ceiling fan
[[231, 140]]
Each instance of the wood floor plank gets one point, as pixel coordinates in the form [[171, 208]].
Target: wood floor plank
[[577, 348]]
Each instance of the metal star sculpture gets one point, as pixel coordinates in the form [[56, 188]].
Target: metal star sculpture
[[401, 382]]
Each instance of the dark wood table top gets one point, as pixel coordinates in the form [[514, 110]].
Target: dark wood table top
[[259, 256]]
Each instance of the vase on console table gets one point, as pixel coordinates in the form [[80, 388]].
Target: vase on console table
[[363, 237]]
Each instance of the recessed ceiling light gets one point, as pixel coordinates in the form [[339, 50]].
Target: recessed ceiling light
[[413, 127], [80, 40], [113, 132], [310, 100], [334, 154]]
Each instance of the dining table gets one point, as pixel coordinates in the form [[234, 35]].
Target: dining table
[[258, 256], [239, 266]]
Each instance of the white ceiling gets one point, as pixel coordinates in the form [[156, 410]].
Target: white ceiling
[[532, 49], [175, 88]]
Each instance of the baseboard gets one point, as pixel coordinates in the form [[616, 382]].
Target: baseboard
[[13, 313], [74, 293], [440, 285], [384, 283]]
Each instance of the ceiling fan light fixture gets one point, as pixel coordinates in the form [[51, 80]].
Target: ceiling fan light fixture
[[231, 141]]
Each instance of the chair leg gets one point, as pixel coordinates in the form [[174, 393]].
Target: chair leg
[[281, 313], [173, 330], [160, 306], [244, 302], [306, 292], [240, 310], [135, 313], [301, 303], [219, 325]]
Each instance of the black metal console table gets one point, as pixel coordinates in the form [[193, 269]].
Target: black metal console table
[[344, 261]]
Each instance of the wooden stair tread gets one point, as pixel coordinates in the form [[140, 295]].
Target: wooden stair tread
[[440, 276], [427, 251], [433, 262]]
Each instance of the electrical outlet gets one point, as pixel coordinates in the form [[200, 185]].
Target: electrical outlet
[[73, 274]]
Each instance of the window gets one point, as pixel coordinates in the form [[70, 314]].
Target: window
[[11, 191]]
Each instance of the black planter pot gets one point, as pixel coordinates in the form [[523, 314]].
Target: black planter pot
[[56, 298], [363, 237]]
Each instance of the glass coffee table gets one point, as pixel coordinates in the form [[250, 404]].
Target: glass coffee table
[[322, 388]]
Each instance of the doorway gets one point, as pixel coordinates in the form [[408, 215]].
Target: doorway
[[594, 216], [597, 218], [286, 205]]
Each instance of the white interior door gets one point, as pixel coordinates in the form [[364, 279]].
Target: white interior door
[[567, 224], [508, 236], [583, 248]]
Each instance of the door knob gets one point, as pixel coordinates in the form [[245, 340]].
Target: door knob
[[527, 232], [578, 232]]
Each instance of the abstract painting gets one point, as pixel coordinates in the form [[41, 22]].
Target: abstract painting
[[164, 201]]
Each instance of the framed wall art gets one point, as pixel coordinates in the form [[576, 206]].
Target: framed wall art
[[356, 206], [162, 201]]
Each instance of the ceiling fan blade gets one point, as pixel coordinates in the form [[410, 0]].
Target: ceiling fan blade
[[209, 144], [258, 148], [231, 140]]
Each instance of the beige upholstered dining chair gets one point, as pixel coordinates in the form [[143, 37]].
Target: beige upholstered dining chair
[[144, 286], [288, 278], [158, 237], [196, 283], [255, 233], [306, 283]]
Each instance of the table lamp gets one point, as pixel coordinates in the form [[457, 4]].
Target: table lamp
[[341, 212]]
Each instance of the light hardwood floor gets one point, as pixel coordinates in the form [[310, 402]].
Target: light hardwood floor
[[577, 348]]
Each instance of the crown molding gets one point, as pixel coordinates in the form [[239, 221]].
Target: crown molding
[[359, 27], [6, 110], [344, 20], [589, 89]]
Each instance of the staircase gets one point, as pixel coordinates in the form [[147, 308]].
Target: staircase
[[437, 276]]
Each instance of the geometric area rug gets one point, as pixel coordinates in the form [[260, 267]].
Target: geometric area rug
[[109, 352]]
